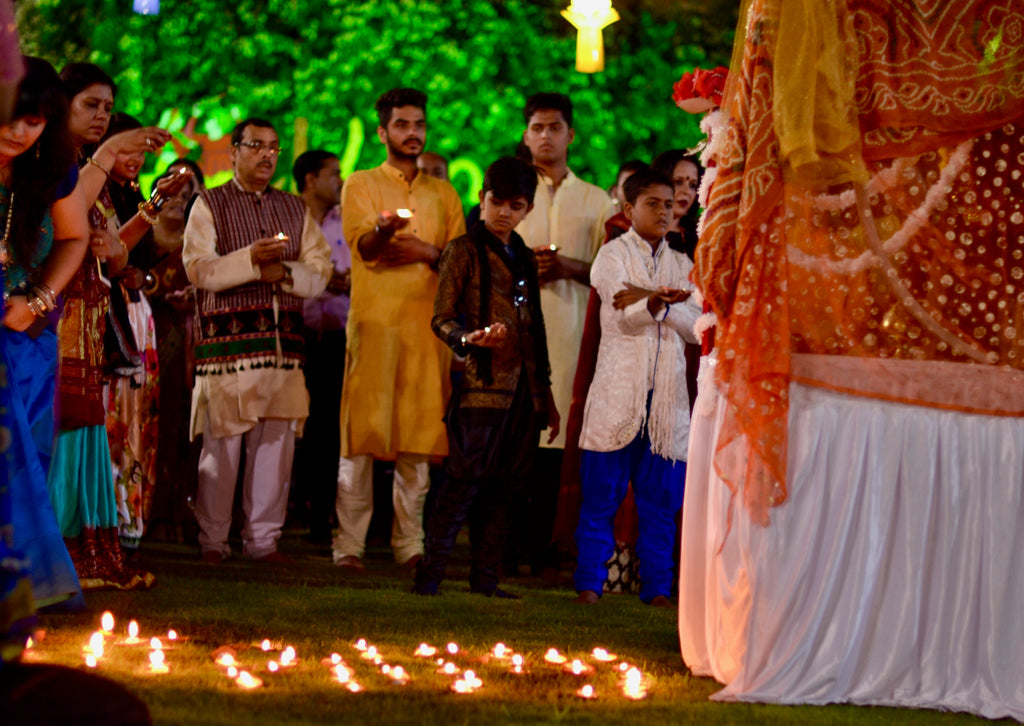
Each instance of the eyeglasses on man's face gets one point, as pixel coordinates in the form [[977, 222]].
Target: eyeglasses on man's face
[[258, 147]]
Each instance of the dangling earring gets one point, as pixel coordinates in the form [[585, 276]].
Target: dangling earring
[[134, 185], [38, 146]]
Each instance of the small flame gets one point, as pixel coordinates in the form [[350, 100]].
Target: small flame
[[96, 644], [335, 658], [226, 659], [272, 666], [602, 655], [232, 671], [155, 644], [586, 692], [172, 634], [500, 650], [361, 644], [354, 687], [425, 651], [517, 660], [247, 680], [90, 660], [133, 629], [553, 656], [156, 658], [265, 645], [107, 621], [453, 648]]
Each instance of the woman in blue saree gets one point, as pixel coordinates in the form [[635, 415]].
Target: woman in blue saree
[[45, 237]]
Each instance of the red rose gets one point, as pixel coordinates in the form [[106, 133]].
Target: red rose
[[683, 88], [710, 84]]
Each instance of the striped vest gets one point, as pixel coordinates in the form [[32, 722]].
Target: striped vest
[[236, 328]]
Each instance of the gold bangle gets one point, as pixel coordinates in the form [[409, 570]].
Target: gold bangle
[[99, 166], [142, 213]]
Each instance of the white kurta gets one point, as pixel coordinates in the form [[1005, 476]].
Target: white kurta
[[572, 217], [639, 353]]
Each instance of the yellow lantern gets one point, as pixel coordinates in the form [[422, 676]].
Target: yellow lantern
[[590, 17]]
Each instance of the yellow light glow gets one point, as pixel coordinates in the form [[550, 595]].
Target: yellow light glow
[[107, 622], [590, 17], [96, 644]]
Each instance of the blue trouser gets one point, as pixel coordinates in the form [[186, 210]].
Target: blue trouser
[[658, 489]]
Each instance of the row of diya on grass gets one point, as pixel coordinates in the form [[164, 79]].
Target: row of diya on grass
[[631, 681]]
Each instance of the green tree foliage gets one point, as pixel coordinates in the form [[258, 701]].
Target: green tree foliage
[[327, 61]]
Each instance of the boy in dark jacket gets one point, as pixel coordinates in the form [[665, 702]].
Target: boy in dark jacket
[[488, 309]]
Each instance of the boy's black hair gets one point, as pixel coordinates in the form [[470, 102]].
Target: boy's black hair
[[241, 126], [548, 102], [641, 181], [309, 162], [79, 76], [396, 98], [509, 177]]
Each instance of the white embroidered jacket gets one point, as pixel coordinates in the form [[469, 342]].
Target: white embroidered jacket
[[638, 353]]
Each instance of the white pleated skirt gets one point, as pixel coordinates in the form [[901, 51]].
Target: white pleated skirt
[[893, 575]]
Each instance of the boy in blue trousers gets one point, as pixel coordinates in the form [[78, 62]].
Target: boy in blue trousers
[[637, 415]]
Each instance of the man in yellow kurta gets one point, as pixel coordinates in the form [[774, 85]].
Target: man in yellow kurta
[[396, 371], [565, 229]]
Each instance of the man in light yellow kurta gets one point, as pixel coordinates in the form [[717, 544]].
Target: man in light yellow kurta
[[568, 215], [397, 221]]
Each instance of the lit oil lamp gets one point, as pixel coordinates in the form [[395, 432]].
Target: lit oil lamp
[[248, 681], [95, 646], [342, 674], [424, 651], [518, 665], [226, 659], [335, 658], [107, 622], [603, 656], [403, 213], [553, 656], [586, 693], [360, 644], [448, 669], [90, 661], [578, 668], [172, 634], [399, 675], [155, 643], [288, 657], [265, 645], [133, 634], [354, 687], [232, 672], [156, 662], [633, 685], [453, 648], [272, 666], [500, 650]]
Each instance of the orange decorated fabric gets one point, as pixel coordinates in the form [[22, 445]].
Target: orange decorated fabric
[[907, 245]]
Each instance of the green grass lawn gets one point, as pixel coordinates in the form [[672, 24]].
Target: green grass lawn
[[319, 610]]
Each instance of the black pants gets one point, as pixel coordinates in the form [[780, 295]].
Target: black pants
[[316, 458], [491, 456]]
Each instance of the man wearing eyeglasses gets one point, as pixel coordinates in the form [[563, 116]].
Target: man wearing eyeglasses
[[253, 253]]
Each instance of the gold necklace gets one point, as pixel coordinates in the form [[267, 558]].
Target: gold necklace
[[5, 251]]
